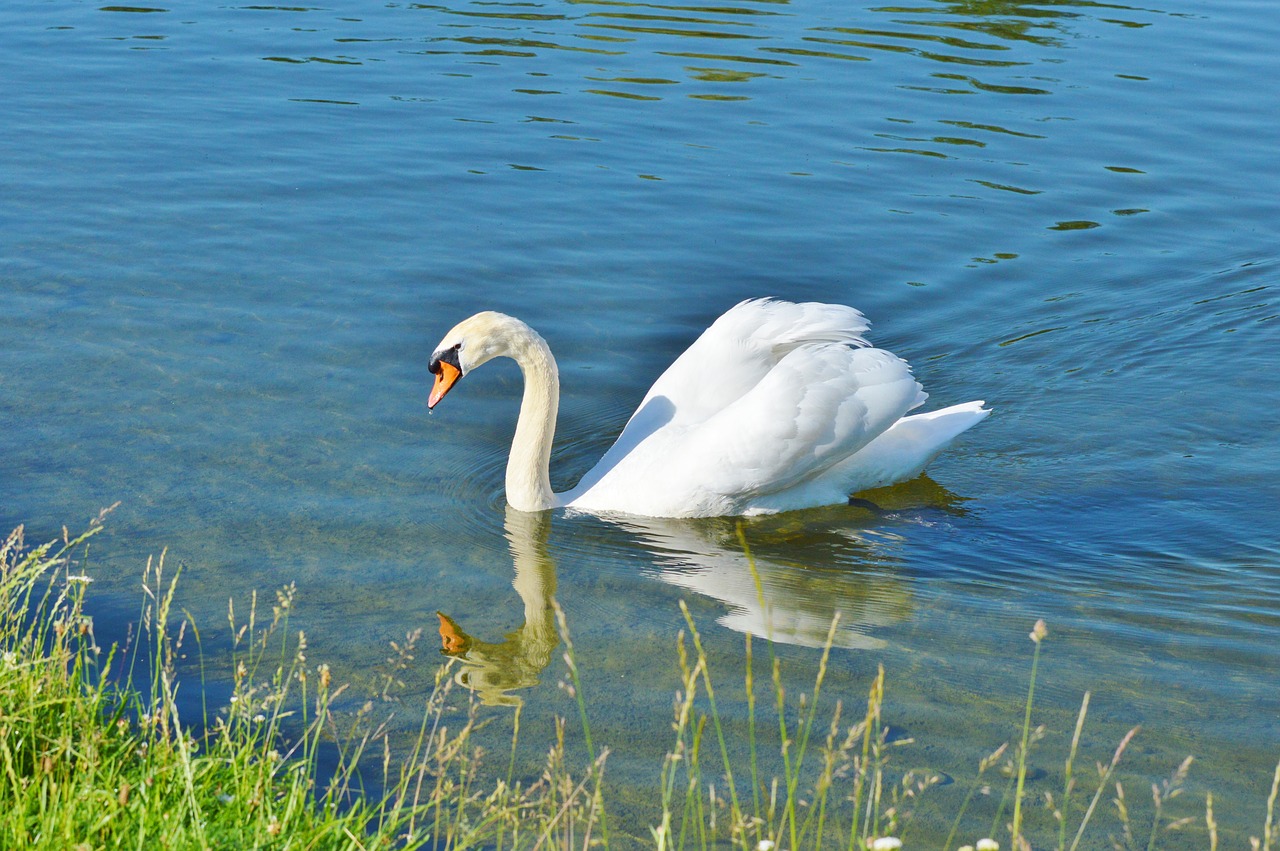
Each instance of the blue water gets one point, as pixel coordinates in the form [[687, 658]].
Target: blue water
[[231, 235]]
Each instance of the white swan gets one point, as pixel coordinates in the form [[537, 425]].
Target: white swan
[[776, 406]]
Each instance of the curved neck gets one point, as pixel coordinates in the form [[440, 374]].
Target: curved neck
[[528, 468]]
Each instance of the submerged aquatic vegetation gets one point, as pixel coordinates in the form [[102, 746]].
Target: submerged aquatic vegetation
[[89, 759]]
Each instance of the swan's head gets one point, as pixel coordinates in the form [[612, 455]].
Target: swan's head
[[472, 342]]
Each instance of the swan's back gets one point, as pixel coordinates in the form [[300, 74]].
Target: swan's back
[[767, 410]]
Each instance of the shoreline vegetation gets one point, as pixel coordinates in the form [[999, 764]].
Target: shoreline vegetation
[[90, 759]]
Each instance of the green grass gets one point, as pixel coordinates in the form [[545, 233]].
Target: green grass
[[91, 761]]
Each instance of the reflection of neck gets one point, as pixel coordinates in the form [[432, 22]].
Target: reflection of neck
[[495, 670], [535, 574], [528, 468]]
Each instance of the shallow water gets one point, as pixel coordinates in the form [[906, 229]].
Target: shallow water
[[231, 235]]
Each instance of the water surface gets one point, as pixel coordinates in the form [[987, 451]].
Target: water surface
[[231, 235]]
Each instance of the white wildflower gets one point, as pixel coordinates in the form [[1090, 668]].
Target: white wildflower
[[886, 843], [10, 659], [988, 845], [765, 845], [259, 718]]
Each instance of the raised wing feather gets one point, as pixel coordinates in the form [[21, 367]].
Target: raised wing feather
[[726, 362], [742, 346], [820, 404]]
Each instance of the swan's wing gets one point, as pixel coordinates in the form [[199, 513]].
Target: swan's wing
[[742, 346], [725, 363], [818, 405]]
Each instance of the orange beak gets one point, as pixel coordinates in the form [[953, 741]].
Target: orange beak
[[445, 379]]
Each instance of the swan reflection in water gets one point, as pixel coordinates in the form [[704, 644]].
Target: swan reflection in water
[[811, 565], [494, 670]]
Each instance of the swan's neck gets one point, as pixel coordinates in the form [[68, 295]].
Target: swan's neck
[[528, 468]]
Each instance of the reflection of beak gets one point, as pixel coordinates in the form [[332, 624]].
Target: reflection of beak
[[445, 379], [453, 641]]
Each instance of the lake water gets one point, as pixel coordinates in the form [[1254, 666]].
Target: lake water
[[231, 235]]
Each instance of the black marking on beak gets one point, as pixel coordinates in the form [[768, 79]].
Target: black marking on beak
[[449, 356]]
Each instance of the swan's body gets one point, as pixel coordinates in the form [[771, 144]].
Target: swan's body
[[776, 406]]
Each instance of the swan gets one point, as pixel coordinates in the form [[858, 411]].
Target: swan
[[777, 406]]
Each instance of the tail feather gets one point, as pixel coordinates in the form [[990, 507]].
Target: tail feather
[[906, 448]]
